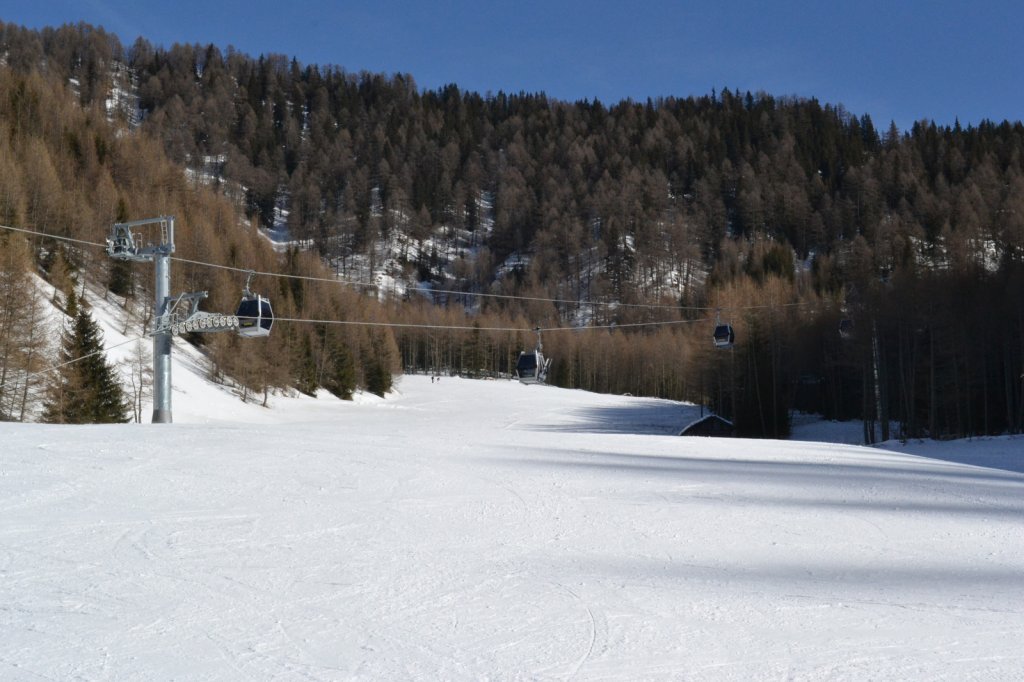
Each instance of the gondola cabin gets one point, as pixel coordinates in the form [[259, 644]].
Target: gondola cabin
[[255, 316], [724, 336], [531, 367], [846, 328]]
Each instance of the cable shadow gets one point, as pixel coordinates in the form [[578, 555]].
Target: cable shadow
[[790, 575], [755, 469], [803, 484], [992, 453], [644, 417], [907, 506]]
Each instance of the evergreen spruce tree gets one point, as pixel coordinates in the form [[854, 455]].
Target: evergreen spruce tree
[[378, 377], [305, 378], [377, 366], [87, 390], [340, 372]]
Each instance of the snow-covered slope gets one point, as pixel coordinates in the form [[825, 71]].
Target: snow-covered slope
[[467, 530]]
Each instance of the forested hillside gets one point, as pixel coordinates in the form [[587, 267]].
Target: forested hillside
[[69, 171], [784, 215]]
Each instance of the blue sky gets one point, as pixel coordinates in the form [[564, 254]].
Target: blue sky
[[893, 60]]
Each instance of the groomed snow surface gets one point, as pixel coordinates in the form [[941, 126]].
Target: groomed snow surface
[[469, 530]]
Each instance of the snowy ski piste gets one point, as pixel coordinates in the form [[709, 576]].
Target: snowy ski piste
[[468, 530]]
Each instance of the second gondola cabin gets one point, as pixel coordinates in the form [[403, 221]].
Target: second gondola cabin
[[532, 367], [527, 367], [255, 316], [724, 336]]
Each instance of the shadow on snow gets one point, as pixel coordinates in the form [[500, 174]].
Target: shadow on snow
[[826, 484]]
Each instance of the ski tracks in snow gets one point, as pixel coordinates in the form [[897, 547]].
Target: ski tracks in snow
[[593, 631]]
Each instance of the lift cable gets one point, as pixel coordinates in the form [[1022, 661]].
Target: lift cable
[[482, 329], [456, 292], [52, 236], [511, 297], [83, 357]]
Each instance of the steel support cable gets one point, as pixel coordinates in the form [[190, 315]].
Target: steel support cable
[[510, 297], [405, 325], [36, 233], [456, 292], [83, 357]]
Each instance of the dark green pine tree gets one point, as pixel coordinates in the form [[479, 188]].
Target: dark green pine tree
[[377, 367], [305, 378], [86, 390], [378, 377], [340, 372]]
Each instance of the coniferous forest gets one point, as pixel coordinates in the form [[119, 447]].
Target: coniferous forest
[[476, 215]]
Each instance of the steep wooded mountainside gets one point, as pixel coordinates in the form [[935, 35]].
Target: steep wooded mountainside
[[66, 170], [788, 215]]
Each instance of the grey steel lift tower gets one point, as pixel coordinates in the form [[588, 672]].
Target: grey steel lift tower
[[127, 242]]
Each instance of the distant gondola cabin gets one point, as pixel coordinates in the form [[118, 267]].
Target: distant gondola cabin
[[530, 368], [724, 336], [527, 365]]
